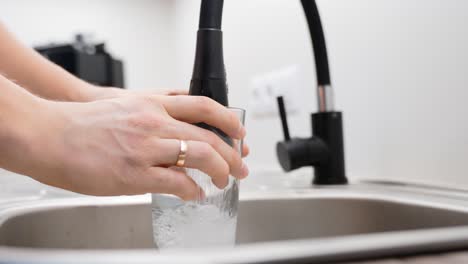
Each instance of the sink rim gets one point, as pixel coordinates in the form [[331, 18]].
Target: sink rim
[[312, 249], [445, 202], [354, 247]]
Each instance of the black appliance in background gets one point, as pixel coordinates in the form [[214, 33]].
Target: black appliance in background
[[88, 61]]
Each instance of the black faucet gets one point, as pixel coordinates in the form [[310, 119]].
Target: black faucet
[[324, 150], [209, 73]]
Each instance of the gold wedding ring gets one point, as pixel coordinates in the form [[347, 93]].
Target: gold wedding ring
[[182, 154]]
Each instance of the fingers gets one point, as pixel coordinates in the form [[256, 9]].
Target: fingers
[[200, 155], [200, 109], [170, 181], [231, 156], [245, 150], [177, 92]]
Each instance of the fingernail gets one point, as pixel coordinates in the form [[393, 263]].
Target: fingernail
[[201, 194], [244, 170], [219, 185], [242, 131], [187, 197]]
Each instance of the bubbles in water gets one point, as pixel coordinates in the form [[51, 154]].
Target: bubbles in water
[[204, 222], [192, 225]]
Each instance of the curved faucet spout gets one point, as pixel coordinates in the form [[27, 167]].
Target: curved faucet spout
[[324, 89], [211, 14], [211, 17]]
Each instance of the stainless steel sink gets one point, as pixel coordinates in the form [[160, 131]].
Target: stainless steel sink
[[128, 226], [318, 217], [275, 219]]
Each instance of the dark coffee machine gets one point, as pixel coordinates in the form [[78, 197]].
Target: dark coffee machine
[[88, 61]]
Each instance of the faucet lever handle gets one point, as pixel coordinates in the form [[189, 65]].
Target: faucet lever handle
[[284, 120]]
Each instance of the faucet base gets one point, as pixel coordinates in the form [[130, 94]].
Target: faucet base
[[328, 126]]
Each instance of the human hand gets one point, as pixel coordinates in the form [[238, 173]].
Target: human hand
[[126, 145], [94, 93]]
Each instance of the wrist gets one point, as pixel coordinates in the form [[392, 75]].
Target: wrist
[[37, 148], [93, 93], [84, 92]]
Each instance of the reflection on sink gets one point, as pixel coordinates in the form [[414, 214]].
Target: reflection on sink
[[128, 226], [273, 220], [81, 227]]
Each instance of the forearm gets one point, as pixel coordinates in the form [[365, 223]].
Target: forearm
[[19, 113], [38, 75]]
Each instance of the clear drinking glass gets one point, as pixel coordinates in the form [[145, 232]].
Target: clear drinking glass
[[206, 222]]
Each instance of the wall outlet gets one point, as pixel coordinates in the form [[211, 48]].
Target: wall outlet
[[266, 87]]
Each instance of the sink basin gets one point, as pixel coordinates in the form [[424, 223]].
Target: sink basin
[[305, 218], [80, 227], [128, 226]]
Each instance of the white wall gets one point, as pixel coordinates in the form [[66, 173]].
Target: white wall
[[399, 68], [137, 31]]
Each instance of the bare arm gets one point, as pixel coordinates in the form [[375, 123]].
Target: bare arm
[[19, 115], [118, 146], [38, 75]]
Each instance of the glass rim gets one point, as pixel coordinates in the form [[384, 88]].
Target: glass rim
[[236, 109]]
